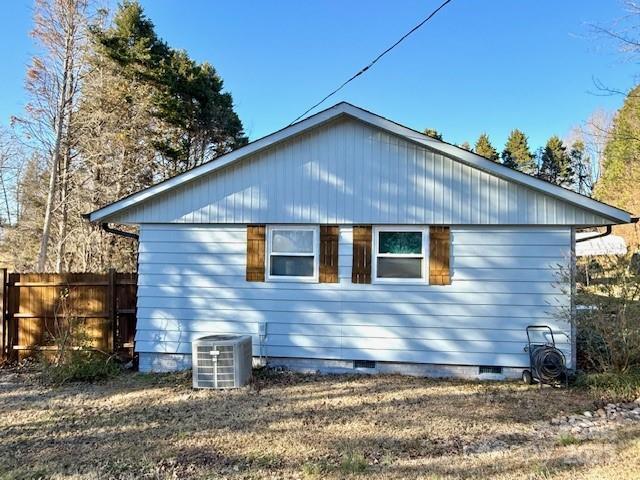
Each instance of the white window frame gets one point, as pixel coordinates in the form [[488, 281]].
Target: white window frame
[[316, 254], [424, 255]]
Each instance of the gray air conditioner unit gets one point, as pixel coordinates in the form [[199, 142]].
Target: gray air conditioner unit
[[221, 361]]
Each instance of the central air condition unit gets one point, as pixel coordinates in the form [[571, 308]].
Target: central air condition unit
[[221, 361]]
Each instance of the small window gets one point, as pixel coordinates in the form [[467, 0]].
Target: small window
[[400, 254], [292, 253]]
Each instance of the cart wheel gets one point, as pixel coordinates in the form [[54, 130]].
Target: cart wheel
[[564, 379], [527, 377]]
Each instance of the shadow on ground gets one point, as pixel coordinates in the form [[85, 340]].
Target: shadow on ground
[[289, 426]]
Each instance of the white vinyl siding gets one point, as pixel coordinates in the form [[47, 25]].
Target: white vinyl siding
[[192, 283], [347, 172]]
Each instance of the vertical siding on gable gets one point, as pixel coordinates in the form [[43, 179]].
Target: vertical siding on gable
[[347, 172], [192, 283]]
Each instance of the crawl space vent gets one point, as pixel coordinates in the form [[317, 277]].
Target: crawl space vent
[[364, 364], [489, 369]]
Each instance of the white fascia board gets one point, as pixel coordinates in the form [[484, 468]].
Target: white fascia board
[[460, 154]]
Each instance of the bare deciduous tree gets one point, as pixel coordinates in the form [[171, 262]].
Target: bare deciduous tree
[[624, 31], [112, 110], [52, 83], [596, 133], [12, 162]]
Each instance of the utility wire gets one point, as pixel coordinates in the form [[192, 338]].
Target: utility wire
[[360, 72]]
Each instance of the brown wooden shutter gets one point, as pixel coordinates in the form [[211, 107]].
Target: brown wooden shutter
[[361, 268], [439, 247], [255, 253], [329, 235]]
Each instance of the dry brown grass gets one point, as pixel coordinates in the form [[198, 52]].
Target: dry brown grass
[[143, 426]]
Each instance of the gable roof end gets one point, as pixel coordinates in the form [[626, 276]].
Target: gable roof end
[[615, 214]]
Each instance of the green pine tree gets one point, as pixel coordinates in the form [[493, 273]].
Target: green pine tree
[[555, 164], [484, 148], [581, 166], [433, 133], [516, 153], [197, 118]]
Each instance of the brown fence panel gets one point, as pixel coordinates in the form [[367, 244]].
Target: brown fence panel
[[105, 303]]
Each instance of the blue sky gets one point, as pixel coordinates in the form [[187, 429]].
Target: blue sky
[[479, 66]]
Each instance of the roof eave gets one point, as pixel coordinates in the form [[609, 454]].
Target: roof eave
[[616, 215]]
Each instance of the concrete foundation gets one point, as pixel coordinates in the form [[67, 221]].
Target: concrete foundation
[[169, 362]]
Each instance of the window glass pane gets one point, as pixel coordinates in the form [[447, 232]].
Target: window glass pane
[[390, 267], [292, 241], [291, 266], [400, 242]]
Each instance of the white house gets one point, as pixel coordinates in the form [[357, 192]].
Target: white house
[[349, 241]]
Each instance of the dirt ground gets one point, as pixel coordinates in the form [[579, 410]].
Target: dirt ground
[[293, 426]]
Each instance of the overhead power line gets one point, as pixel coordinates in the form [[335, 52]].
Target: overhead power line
[[373, 62]]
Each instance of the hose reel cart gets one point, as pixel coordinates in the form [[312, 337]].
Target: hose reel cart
[[547, 364]]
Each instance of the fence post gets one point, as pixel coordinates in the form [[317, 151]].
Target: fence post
[[113, 313], [4, 327], [12, 295]]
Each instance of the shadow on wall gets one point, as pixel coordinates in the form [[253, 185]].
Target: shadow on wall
[[347, 172], [341, 173]]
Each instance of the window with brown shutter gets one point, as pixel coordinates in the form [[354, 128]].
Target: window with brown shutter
[[293, 253], [329, 237], [361, 268], [255, 252], [399, 254], [439, 252]]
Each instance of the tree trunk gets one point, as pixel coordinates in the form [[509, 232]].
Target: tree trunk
[[55, 154], [46, 228], [64, 181], [6, 199], [62, 226]]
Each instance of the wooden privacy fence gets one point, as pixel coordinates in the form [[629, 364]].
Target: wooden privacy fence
[[32, 302]]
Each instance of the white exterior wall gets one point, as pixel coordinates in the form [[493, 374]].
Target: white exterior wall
[[192, 283], [348, 172]]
